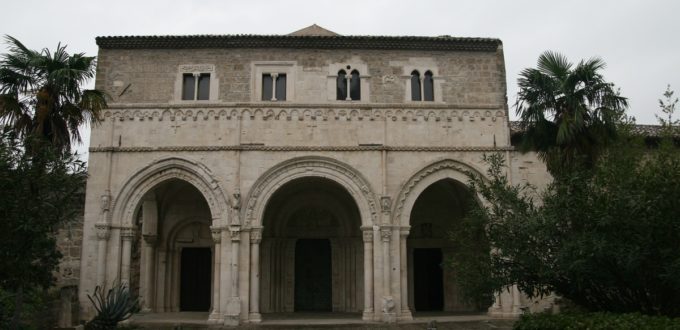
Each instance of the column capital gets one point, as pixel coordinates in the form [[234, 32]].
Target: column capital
[[150, 239], [255, 235], [103, 231], [216, 233], [127, 233], [235, 232], [385, 234], [368, 236]]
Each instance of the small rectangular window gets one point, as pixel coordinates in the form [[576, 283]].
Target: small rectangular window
[[188, 85], [204, 86], [267, 86], [281, 87]]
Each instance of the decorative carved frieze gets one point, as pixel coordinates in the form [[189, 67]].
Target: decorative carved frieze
[[267, 112], [304, 148], [190, 68]]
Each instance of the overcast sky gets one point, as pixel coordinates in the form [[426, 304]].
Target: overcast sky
[[639, 40]]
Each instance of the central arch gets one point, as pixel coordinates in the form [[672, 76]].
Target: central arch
[[311, 253], [313, 166]]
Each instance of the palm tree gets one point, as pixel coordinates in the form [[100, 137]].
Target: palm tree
[[41, 95], [567, 113]]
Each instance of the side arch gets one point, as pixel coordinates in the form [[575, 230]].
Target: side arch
[[444, 169], [312, 166], [147, 177]]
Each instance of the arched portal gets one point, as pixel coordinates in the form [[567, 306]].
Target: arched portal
[[311, 256], [172, 255], [432, 285]]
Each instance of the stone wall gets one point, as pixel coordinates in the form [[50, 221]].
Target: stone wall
[[69, 243]]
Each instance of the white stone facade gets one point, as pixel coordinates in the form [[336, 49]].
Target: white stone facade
[[249, 179]]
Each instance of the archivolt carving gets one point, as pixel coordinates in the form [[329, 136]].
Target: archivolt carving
[[158, 171], [293, 114], [348, 177], [418, 182]]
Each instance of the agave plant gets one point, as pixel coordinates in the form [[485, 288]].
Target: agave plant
[[118, 305]]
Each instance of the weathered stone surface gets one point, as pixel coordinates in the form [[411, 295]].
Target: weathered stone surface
[[212, 169]]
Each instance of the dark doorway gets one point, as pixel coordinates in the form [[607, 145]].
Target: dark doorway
[[428, 280], [194, 293], [313, 275]]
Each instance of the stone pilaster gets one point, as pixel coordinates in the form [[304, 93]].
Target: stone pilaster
[[233, 308]]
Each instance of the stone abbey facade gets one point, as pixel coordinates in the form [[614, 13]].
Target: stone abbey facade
[[248, 175]]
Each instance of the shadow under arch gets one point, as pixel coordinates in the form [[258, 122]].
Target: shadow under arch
[[310, 166], [149, 176], [424, 178]]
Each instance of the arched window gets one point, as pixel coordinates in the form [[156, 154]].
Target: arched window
[[355, 86], [415, 86], [428, 87], [342, 85]]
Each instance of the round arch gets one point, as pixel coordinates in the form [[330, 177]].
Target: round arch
[[151, 175], [444, 169], [315, 166]]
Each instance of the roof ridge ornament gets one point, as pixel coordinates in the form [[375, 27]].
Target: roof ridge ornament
[[313, 30]]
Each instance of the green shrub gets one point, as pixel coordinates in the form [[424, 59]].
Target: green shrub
[[114, 307], [595, 321]]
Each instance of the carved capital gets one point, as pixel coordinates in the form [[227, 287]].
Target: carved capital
[[127, 233], [368, 236], [235, 233], [255, 236], [150, 239], [385, 203], [404, 233], [103, 231], [386, 234], [216, 233]]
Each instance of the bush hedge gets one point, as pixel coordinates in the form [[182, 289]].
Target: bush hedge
[[596, 321]]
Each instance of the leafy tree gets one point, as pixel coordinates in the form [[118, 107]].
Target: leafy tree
[[605, 238], [41, 94], [568, 113], [668, 109], [37, 197]]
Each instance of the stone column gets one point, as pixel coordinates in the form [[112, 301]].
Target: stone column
[[126, 235], [403, 274], [233, 310], [215, 314], [516, 305], [103, 233], [149, 262], [388, 301], [368, 274], [255, 239], [274, 77]]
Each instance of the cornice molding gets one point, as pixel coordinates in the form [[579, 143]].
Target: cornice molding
[[302, 148]]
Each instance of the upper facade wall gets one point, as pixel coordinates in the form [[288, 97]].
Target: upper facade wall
[[155, 75]]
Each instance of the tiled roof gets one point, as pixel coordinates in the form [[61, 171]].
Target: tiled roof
[[644, 130], [300, 41]]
